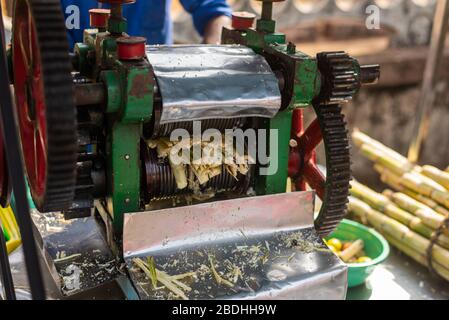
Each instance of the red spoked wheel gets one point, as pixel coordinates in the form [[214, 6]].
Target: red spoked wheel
[[45, 102], [332, 188]]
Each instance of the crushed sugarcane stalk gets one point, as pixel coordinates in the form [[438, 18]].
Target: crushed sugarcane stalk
[[170, 283], [219, 279]]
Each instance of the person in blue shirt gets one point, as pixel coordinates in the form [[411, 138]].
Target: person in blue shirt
[[151, 18]]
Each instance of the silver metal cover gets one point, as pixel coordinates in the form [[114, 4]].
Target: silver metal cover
[[200, 82], [181, 238]]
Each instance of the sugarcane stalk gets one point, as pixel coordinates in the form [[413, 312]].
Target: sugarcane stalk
[[421, 259], [389, 177], [383, 204], [377, 156], [360, 139], [427, 215], [398, 231], [393, 180], [416, 182], [436, 174]]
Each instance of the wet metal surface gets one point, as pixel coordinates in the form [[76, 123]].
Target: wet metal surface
[[264, 247], [203, 82], [76, 252]]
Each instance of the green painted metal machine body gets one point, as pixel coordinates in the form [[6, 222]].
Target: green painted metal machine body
[[115, 82]]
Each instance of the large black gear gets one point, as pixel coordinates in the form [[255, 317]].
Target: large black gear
[[338, 167], [340, 83], [60, 109], [339, 77]]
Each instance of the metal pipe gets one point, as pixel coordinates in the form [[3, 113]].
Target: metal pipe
[[267, 10], [90, 94], [427, 96]]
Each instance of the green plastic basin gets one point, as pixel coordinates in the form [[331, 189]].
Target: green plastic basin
[[376, 247]]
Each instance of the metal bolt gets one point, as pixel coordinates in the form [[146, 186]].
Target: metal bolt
[[293, 143], [127, 200], [127, 157]]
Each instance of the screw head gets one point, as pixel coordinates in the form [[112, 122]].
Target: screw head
[[293, 143]]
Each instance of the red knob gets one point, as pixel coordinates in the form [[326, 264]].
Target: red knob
[[131, 48], [99, 18], [243, 20]]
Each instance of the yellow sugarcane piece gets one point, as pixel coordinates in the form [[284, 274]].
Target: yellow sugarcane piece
[[436, 174], [398, 231], [8, 221], [12, 245]]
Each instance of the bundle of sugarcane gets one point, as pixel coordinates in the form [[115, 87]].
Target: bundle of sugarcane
[[413, 217], [402, 208], [402, 237], [426, 184]]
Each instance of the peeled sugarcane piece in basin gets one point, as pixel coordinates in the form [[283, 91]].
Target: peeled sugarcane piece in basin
[[352, 250]]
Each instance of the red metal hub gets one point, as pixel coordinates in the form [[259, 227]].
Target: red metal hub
[[45, 103], [302, 161], [30, 100]]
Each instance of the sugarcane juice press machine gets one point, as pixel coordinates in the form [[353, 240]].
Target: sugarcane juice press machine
[[96, 131]]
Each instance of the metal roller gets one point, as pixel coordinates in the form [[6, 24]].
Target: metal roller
[[159, 182]]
